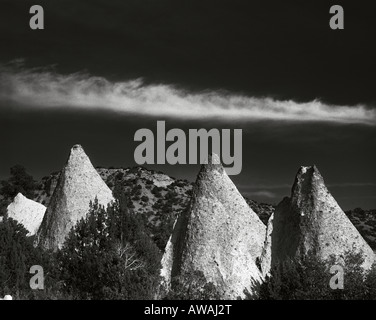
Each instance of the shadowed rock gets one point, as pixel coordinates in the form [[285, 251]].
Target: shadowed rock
[[312, 221]]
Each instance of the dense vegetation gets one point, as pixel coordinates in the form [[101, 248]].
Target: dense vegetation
[[193, 286], [108, 255], [19, 181], [309, 278]]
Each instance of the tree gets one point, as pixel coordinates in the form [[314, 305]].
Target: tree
[[13, 261], [109, 256], [193, 286], [19, 181], [17, 255], [309, 278], [370, 284]]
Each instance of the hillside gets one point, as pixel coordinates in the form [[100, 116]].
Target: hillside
[[365, 222]]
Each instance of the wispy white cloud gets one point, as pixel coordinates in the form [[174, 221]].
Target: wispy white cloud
[[261, 193], [47, 89]]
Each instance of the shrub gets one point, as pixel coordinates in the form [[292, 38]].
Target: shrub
[[193, 286], [109, 256], [309, 278], [19, 181]]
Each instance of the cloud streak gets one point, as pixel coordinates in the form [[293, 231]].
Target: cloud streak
[[42, 88], [262, 193]]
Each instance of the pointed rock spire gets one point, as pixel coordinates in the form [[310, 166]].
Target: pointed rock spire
[[220, 235], [312, 221], [79, 184], [27, 212]]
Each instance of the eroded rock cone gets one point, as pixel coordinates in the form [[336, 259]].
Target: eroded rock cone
[[27, 212], [79, 184], [311, 221], [219, 235]]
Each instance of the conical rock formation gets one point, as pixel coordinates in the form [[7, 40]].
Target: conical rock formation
[[220, 235], [27, 212], [79, 184], [312, 221]]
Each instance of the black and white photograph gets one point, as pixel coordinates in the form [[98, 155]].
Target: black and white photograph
[[187, 150]]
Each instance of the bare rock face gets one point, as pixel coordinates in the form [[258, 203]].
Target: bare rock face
[[27, 212], [312, 221], [79, 184], [161, 180], [220, 236]]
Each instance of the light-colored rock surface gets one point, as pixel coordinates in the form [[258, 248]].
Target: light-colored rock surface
[[167, 261], [27, 212], [312, 221], [78, 184], [219, 235], [162, 180]]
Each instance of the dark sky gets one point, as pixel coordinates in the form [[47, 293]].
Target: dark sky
[[280, 50]]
